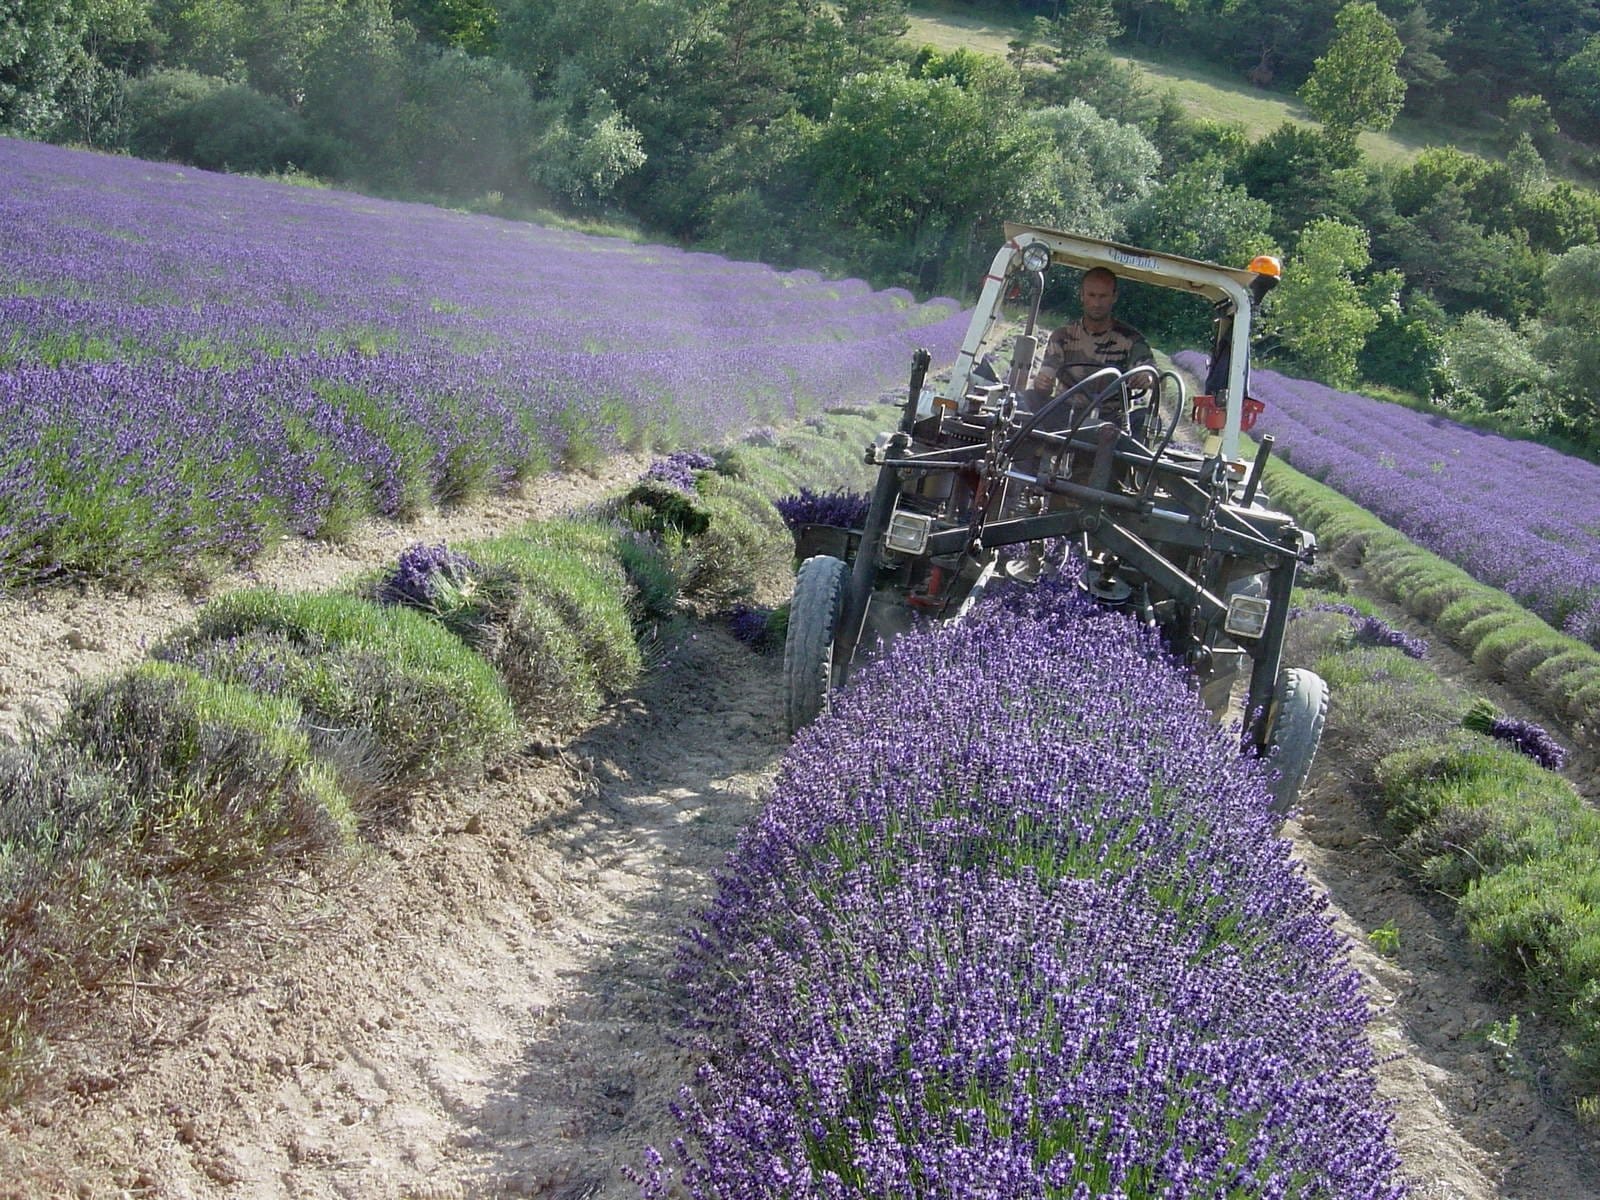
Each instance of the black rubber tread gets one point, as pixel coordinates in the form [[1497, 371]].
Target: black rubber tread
[[1299, 711], [819, 589]]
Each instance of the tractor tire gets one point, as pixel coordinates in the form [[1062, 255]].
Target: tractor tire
[[1299, 711], [808, 651]]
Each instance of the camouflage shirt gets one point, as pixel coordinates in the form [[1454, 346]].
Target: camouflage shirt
[[1121, 346]]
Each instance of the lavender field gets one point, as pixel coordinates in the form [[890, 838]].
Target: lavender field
[[1512, 514], [192, 365], [1039, 940]]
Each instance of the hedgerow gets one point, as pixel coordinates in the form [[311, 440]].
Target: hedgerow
[[1485, 623], [1037, 941], [1482, 819]]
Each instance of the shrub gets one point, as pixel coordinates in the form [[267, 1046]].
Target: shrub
[[217, 125], [726, 559], [541, 658], [588, 591], [1385, 699], [758, 627], [946, 964], [219, 776], [160, 795], [387, 675]]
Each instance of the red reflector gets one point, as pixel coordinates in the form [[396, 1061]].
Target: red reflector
[[1214, 417]]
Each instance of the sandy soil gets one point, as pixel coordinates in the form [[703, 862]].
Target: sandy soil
[[480, 1006]]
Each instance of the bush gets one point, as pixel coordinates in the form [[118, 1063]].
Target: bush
[[587, 591], [160, 795], [385, 677], [950, 965], [219, 776], [217, 125]]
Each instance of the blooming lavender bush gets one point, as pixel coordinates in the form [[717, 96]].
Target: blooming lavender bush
[[1512, 514], [192, 364], [1015, 923], [847, 510]]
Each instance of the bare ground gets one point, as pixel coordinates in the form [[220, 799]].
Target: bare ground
[[480, 1006]]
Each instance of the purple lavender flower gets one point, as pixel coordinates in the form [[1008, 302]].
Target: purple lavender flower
[[1015, 922], [1460, 492], [750, 624], [194, 364], [678, 468], [1527, 737], [846, 510], [424, 573], [1372, 631]]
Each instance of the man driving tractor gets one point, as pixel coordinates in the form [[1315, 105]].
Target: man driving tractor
[[1095, 339]]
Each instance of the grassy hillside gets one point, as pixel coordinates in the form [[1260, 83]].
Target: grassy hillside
[[1214, 94]]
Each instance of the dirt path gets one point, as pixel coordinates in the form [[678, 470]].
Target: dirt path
[[480, 1009], [480, 1006]]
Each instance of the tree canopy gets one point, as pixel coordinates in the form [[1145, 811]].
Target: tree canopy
[[1356, 85]]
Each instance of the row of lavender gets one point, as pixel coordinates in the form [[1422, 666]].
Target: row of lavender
[[1512, 514], [1016, 924], [191, 364]]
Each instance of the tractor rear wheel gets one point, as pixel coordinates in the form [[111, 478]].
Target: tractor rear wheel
[[808, 651], [1294, 729]]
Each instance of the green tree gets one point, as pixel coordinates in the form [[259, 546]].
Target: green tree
[[468, 25], [585, 151], [1318, 314], [872, 30], [1492, 368], [1303, 173], [40, 43], [1579, 80], [1570, 344], [352, 81], [1421, 65], [203, 37], [1406, 350], [1085, 26], [1101, 168], [1530, 117], [918, 161], [1198, 214], [1455, 259], [1356, 85], [465, 124]]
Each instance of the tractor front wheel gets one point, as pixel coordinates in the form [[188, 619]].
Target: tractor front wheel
[[1294, 729], [808, 651]]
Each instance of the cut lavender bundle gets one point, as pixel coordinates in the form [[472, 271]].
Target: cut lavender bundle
[[678, 468], [847, 510], [1531, 739]]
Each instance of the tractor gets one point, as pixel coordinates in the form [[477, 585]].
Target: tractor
[[982, 477]]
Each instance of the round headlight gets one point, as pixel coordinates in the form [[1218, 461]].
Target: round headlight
[[1035, 256]]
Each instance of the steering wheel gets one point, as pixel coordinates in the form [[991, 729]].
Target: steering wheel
[[1089, 368]]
